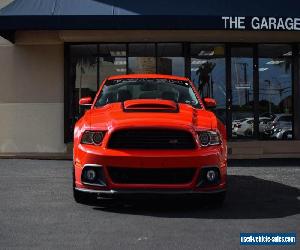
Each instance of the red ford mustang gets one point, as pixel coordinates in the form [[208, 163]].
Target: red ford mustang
[[149, 134]]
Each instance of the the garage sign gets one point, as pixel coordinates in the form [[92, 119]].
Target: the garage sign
[[260, 23]]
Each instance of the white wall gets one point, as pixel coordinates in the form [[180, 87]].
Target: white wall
[[31, 98]]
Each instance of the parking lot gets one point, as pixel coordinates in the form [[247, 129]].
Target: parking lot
[[37, 211]]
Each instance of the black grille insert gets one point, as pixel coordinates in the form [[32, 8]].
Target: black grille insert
[[151, 175], [151, 139]]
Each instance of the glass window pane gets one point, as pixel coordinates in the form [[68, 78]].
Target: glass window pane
[[112, 60], [141, 58], [169, 50], [141, 49], [242, 92], [208, 74], [83, 74], [85, 59], [170, 59], [114, 50], [275, 91], [111, 66]]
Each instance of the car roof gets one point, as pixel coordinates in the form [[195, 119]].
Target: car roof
[[179, 78]]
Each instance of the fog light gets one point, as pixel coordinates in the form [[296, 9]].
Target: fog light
[[211, 175], [91, 174]]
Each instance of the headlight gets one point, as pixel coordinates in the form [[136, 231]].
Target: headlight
[[92, 137], [209, 138]]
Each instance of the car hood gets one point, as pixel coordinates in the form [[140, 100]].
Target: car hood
[[113, 115]]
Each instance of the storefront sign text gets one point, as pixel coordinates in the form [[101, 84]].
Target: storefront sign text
[[261, 23]]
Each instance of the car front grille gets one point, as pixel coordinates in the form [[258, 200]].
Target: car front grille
[[151, 139], [151, 175]]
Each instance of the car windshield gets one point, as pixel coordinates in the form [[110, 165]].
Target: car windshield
[[121, 90]]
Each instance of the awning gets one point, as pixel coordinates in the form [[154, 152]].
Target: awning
[[154, 14]]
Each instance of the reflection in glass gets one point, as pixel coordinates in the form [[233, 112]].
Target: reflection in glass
[[170, 60], [275, 91], [112, 60], [242, 91], [208, 74], [83, 70], [141, 58]]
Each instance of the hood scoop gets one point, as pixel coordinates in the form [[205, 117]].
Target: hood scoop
[[150, 105]]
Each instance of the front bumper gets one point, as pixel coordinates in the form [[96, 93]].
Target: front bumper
[[123, 192], [201, 158]]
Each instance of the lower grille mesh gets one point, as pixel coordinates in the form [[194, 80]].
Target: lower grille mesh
[[151, 175]]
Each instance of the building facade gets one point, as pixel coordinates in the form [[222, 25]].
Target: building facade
[[246, 56]]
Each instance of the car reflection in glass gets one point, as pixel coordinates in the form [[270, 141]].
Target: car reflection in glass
[[245, 128], [280, 127], [274, 126]]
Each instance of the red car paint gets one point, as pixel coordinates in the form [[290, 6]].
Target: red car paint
[[150, 114]]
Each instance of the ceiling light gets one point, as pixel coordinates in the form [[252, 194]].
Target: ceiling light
[[275, 62], [206, 53], [120, 70], [120, 62], [199, 62], [118, 53], [288, 53], [262, 69]]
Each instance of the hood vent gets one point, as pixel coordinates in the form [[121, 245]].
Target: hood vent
[[150, 105]]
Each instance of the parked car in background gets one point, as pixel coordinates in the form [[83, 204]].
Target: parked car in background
[[285, 133], [149, 134], [235, 124], [263, 122], [280, 127], [245, 127]]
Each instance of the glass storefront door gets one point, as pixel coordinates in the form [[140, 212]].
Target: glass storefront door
[[83, 74], [275, 91], [209, 75], [242, 102], [170, 60], [112, 60], [141, 58]]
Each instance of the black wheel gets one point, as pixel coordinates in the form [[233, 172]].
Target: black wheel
[[216, 200]]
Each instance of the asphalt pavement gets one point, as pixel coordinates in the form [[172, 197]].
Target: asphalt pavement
[[37, 211]]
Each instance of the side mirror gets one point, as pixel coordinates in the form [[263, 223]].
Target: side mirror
[[86, 101], [209, 103]]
